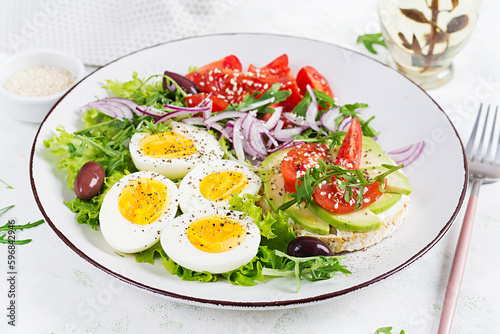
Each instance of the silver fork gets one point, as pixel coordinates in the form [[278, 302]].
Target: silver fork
[[484, 167]]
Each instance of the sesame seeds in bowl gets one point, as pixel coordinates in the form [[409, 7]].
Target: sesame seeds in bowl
[[31, 82]]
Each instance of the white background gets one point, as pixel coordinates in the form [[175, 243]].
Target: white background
[[58, 292]]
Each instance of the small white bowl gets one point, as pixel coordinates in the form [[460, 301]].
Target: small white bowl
[[34, 109]]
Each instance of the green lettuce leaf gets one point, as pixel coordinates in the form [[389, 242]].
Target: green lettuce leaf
[[156, 251], [101, 140], [275, 229]]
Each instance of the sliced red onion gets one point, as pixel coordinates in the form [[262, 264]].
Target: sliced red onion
[[171, 115], [273, 120], [113, 109], [225, 114], [279, 125], [227, 131], [129, 103], [193, 110], [237, 140], [286, 134], [258, 104], [296, 120], [328, 119], [406, 155], [345, 124], [284, 146], [193, 121], [150, 111], [312, 110], [208, 110], [264, 131], [255, 139]]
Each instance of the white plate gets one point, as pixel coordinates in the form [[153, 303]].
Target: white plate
[[404, 114]]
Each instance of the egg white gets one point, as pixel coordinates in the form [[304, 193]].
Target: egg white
[[207, 147], [125, 236], [190, 197], [177, 246]]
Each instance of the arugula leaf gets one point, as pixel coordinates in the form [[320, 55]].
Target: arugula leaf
[[346, 179], [301, 108], [351, 110], [325, 102], [326, 137], [7, 208], [275, 230], [8, 227], [145, 92], [8, 186], [273, 92], [313, 268], [369, 40]]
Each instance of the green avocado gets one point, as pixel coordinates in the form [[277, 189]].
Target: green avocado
[[397, 182], [316, 219], [274, 192], [358, 221]]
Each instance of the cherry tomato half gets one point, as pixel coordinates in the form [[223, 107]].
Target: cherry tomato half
[[218, 104], [330, 197], [298, 160], [309, 76]]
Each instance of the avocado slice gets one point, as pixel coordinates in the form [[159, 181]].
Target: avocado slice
[[307, 219], [358, 221], [385, 202], [317, 219], [396, 182], [274, 192]]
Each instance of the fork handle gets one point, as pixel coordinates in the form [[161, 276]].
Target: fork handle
[[457, 269]]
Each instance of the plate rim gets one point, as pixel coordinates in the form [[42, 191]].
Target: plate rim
[[237, 304]]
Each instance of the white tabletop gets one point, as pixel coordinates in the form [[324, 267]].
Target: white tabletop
[[59, 292]]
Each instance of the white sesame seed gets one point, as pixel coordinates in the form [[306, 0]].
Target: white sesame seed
[[39, 81]]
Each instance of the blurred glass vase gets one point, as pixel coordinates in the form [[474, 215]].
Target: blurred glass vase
[[423, 36]]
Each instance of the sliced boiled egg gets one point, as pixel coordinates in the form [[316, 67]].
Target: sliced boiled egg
[[210, 185], [136, 209], [174, 153], [215, 241]]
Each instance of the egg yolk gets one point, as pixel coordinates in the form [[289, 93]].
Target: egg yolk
[[215, 234], [167, 145], [143, 201], [219, 186]]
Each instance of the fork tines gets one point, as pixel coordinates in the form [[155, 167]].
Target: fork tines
[[485, 127]]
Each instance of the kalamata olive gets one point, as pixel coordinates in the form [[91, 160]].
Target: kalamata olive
[[187, 85], [308, 246], [89, 180]]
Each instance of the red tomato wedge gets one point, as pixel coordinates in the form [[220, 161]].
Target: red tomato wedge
[[329, 196], [350, 151], [224, 79], [278, 71], [298, 160], [309, 76], [218, 104], [229, 63]]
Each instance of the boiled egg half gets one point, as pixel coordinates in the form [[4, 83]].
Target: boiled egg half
[[214, 241], [210, 185], [136, 209], [173, 153]]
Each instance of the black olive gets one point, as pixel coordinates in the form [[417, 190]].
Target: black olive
[[308, 246], [89, 180], [187, 85]]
